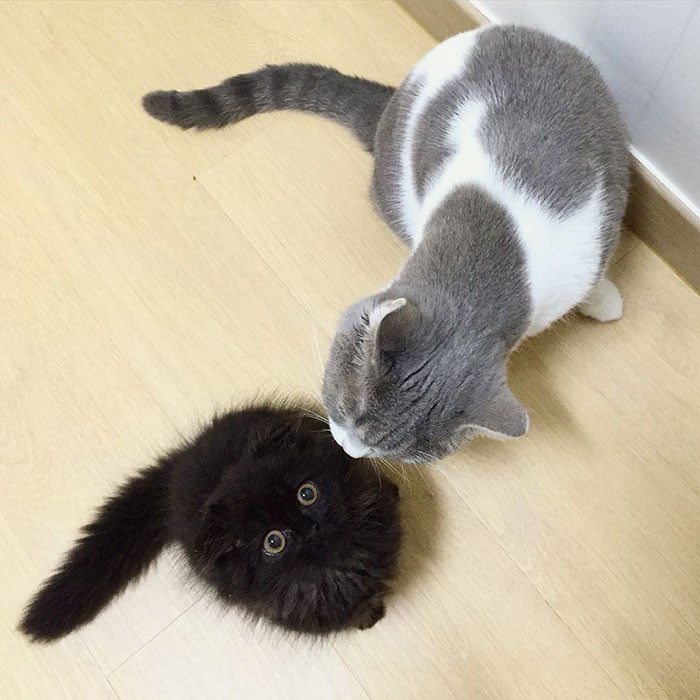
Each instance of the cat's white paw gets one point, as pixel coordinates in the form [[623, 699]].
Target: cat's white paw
[[603, 303]]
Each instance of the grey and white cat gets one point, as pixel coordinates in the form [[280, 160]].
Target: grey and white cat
[[502, 162]]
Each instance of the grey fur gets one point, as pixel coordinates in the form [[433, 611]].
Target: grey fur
[[386, 186], [441, 376], [552, 125], [552, 128], [353, 102], [421, 366]]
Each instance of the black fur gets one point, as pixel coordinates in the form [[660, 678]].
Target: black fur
[[130, 530], [355, 103], [218, 497]]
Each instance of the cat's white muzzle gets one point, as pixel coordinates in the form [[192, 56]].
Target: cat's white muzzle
[[353, 447]]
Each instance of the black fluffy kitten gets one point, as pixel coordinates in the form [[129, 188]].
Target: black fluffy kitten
[[270, 512]]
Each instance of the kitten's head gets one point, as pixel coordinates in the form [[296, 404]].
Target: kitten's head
[[402, 382], [300, 533]]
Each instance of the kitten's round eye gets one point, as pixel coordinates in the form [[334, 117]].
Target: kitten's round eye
[[274, 542], [307, 494]]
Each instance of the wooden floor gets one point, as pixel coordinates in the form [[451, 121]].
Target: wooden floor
[[149, 275]]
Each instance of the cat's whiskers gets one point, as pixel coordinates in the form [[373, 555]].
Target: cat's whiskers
[[317, 416], [406, 478], [419, 471], [424, 457], [309, 409], [376, 471], [392, 468]]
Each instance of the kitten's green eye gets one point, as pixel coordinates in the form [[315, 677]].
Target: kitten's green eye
[[307, 494], [274, 542]]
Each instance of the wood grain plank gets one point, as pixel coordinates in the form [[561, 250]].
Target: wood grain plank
[[136, 299]]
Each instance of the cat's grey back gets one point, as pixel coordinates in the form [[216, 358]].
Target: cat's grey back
[[551, 127]]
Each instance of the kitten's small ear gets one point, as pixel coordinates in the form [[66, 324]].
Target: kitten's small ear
[[213, 521], [216, 520], [215, 510], [392, 323], [503, 417], [273, 438]]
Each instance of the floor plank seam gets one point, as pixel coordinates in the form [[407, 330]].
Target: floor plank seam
[[258, 254], [536, 588], [147, 642]]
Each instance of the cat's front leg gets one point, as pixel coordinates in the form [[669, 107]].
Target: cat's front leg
[[603, 302]]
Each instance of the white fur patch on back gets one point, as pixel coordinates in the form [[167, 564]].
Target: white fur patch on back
[[434, 70], [562, 253]]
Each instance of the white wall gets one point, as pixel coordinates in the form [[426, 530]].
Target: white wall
[[649, 53]]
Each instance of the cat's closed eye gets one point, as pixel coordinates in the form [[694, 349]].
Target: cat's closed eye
[[307, 493]]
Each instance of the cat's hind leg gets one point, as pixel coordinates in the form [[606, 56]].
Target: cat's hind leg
[[603, 302]]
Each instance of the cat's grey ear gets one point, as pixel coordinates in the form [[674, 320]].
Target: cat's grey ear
[[503, 417], [392, 323]]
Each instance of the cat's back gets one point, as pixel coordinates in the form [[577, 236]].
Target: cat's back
[[508, 108]]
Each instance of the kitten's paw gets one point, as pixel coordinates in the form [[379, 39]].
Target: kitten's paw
[[371, 615], [603, 303]]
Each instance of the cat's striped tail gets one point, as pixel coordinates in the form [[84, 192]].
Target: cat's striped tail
[[353, 102], [127, 534]]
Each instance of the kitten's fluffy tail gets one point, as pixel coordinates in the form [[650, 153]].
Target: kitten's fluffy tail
[[353, 102], [130, 530]]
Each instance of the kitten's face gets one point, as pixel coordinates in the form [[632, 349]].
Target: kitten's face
[[398, 384], [292, 524]]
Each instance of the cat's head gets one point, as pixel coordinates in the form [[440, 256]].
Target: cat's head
[[300, 533], [402, 382]]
